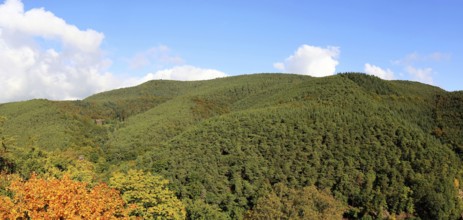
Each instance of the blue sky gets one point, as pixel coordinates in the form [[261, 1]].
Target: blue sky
[[128, 42]]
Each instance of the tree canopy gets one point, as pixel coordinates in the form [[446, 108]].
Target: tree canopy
[[230, 148], [64, 198]]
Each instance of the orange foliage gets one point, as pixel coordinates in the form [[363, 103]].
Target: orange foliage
[[61, 199]]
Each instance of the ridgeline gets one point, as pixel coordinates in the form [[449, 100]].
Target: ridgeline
[[262, 146]]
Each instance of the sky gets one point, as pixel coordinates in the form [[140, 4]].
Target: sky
[[66, 50]]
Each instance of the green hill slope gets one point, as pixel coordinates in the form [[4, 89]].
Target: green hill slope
[[36, 120], [381, 148]]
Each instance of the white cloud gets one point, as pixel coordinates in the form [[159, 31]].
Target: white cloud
[[73, 69], [438, 56], [379, 72], [158, 56], [311, 60], [27, 72], [184, 73], [416, 65], [42, 56], [41, 23], [415, 57], [423, 75]]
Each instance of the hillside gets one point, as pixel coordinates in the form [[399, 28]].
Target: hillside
[[233, 145]]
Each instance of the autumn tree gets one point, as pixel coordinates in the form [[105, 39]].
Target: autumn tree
[[63, 198], [150, 193]]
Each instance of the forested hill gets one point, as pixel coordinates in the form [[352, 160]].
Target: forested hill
[[262, 146]]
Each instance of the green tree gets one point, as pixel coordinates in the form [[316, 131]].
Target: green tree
[[199, 210], [305, 203], [6, 146]]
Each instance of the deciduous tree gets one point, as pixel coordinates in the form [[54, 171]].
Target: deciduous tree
[[150, 193], [61, 199]]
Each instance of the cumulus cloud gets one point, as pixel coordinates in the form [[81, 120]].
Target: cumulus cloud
[[38, 22], [311, 60], [42, 56], [159, 56], [379, 72], [74, 69], [421, 74], [185, 73]]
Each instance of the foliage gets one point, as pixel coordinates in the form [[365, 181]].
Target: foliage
[[198, 209], [305, 203], [5, 156], [370, 83], [61, 199], [150, 193], [382, 148], [449, 117]]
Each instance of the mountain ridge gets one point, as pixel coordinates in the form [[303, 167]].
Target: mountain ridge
[[376, 146]]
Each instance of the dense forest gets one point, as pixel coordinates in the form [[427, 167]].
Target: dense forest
[[261, 146]]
